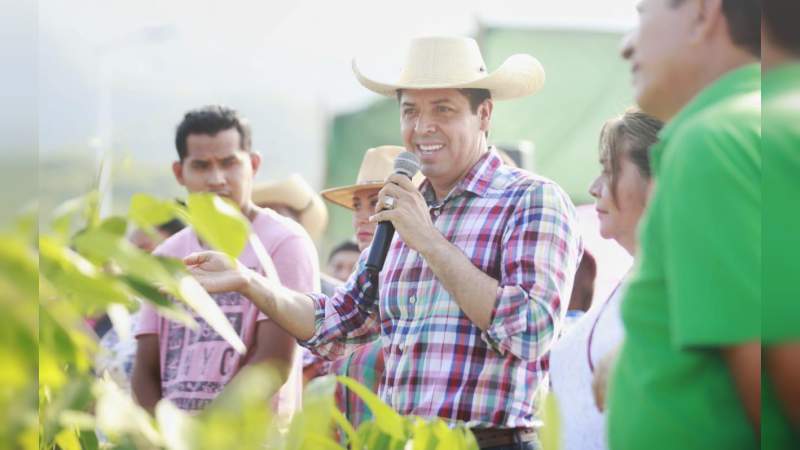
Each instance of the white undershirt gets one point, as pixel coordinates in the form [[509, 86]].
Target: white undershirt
[[582, 425]]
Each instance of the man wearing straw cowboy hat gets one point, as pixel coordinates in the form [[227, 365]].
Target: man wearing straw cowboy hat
[[365, 364], [292, 197], [477, 279]]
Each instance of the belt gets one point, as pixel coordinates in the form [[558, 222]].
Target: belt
[[495, 437]]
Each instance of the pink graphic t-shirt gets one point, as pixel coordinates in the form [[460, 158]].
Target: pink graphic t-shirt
[[196, 365]]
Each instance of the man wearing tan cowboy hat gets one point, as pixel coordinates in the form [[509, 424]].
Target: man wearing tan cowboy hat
[[477, 279], [362, 197], [365, 364], [292, 197]]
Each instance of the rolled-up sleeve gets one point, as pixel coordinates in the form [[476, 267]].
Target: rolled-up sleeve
[[349, 318], [541, 250]]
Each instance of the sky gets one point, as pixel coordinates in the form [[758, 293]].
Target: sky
[[286, 65]]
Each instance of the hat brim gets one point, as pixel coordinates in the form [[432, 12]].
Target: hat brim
[[518, 76], [343, 196]]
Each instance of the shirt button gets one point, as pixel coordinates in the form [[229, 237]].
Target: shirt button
[[413, 299]]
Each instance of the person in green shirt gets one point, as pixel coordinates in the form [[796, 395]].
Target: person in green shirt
[[780, 330], [688, 373]]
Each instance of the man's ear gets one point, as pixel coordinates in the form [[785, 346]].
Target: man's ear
[[708, 19], [177, 170], [485, 113], [255, 160]]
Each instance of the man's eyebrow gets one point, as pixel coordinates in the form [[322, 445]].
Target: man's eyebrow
[[441, 100], [407, 103]]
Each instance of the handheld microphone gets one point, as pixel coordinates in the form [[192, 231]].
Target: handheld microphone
[[407, 164]]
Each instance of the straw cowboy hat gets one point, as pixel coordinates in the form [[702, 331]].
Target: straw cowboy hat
[[456, 63], [295, 193], [377, 164]]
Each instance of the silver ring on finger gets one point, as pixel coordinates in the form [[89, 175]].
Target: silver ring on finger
[[388, 202]]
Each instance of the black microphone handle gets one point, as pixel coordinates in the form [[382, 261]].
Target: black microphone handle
[[380, 246]]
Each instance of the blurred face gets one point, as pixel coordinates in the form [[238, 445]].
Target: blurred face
[[658, 52], [142, 240], [364, 202], [218, 164], [440, 128], [618, 219], [341, 265]]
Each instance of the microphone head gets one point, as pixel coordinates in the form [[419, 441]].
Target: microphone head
[[406, 163]]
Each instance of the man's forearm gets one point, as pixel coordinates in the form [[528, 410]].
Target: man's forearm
[[474, 291], [146, 390], [294, 312]]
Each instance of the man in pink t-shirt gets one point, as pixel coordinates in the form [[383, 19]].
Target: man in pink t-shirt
[[191, 367]]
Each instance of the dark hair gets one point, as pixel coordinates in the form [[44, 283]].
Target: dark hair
[[583, 284], [631, 134], [474, 96], [780, 17], [211, 120], [744, 22], [346, 246], [171, 227]]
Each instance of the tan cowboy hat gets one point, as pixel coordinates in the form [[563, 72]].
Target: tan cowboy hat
[[456, 63], [376, 165], [295, 193]]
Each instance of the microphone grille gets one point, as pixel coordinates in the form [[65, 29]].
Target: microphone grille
[[406, 163]]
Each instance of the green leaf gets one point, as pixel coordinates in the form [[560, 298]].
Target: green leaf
[[424, 437], [346, 427], [550, 433], [240, 417], [155, 271], [118, 415], [67, 439], [198, 299], [219, 223], [76, 278], [65, 214], [165, 307], [75, 396], [88, 439], [373, 438], [385, 417], [177, 427], [317, 442], [18, 264], [104, 246], [115, 225], [147, 211], [314, 423]]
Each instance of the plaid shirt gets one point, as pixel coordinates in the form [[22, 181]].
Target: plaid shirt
[[516, 227], [365, 365]]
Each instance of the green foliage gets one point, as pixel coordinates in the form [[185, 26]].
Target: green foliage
[[18, 339], [219, 223], [550, 434], [87, 267]]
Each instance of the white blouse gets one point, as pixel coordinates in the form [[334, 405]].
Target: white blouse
[[573, 359]]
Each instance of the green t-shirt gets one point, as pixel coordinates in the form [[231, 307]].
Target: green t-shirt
[[697, 284], [781, 240]]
